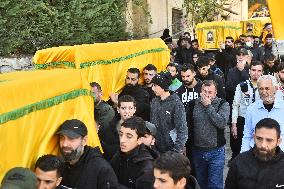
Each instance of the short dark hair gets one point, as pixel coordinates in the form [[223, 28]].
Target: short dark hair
[[95, 84], [50, 162], [186, 67], [269, 57], [280, 67], [194, 41], [175, 164], [150, 67], [255, 63], [135, 123], [134, 71], [172, 65], [242, 35], [229, 37], [208, 83], [126, 98], [202, 61], [269, 123]]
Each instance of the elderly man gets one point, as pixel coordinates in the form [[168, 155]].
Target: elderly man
[[270, 106]]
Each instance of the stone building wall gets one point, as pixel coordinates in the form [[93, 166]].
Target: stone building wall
[[16, 64]]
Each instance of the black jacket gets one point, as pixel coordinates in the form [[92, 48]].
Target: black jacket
[[235, 76], [219, 81], [92, 171], [109, 138], [226, 60], [135, 169], [248, 172], [192, 183], [184, 55], [141, 97]]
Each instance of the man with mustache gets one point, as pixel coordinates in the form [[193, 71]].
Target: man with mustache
[[135, 90], [85, 166], [271, 105], [262, 166], [191, 87], [149, 72]]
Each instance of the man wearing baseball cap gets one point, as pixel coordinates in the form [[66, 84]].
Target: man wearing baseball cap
[[86, 167], [19, 178]]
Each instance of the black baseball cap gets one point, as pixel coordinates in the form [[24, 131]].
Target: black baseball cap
[[151, 128], [243, 51], [73, 128]]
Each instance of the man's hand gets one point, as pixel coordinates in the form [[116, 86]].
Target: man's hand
[[234, 130], [205, 100], [241, 65], [114, 98]]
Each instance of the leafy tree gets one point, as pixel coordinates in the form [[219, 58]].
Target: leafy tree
[[204, 10], [29, 25]]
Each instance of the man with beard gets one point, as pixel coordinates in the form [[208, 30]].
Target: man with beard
[[133, 89], [149, 72], [280, 75], [204, 73], [262, 166], [191, 87], [246, 94], [270, 64], [270, 106], [173, 69], [226, 59], [103, 112], [260, 52], [85, 166], [184, 52]]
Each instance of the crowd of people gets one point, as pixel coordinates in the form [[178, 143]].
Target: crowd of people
[[168, 131]]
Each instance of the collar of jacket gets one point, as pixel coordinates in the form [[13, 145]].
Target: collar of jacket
[[140, 153]]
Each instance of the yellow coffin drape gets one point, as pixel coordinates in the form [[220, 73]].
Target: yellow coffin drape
[[33, 105], [276, 8], [257, 25], [219, 31], [106, 63]]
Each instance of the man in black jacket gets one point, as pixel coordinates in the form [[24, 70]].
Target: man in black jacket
[[261, 167], [133, 164], [85, 166], [135, 90], [204, 73]]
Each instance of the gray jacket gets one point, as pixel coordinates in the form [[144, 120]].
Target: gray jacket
[[170, 119], [210, 123]]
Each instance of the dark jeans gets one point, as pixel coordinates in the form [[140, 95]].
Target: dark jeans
[[237, 143], [209, 166]]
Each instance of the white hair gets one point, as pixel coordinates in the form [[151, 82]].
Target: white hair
[[268, 77]]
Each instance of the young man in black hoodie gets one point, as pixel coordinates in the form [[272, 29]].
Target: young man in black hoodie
[[85, 166], [133, 164]]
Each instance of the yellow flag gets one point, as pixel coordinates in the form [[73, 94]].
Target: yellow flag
[[276, 8]]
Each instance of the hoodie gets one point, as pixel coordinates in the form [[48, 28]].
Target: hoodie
[[92, 171], [170, 119], [135, 169]]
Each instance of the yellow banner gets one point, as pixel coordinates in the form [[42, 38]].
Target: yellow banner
[[33, 105], [106, 63], [276, 8]]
